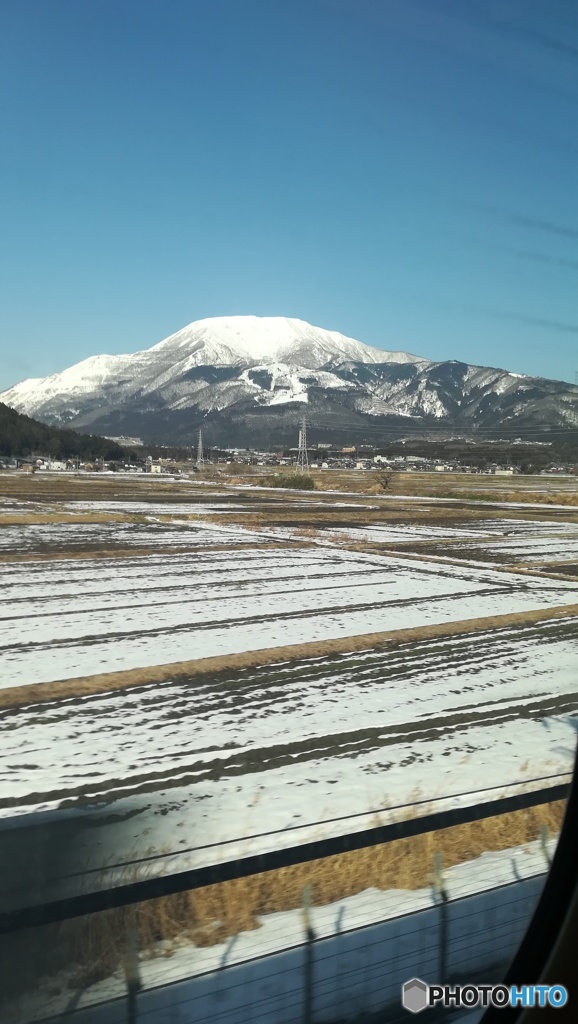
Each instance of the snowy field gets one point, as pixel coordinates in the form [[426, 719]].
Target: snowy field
[[387, 533], [255, 759], [71, 536], [190, 771], [120, 614], [225, 503], [525, 550]]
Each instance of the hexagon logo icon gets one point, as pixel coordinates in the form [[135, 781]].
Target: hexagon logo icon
[[414, 995]]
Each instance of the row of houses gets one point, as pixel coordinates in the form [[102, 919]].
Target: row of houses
[[45, 464]]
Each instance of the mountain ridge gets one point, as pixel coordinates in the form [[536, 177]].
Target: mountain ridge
[[247, 378]]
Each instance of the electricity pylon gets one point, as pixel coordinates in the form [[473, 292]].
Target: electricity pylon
[[200, 459], [302, 460]]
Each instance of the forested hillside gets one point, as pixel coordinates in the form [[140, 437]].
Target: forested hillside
[[20, 436]]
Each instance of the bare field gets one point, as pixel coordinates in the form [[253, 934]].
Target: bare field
[[517, 488], [62, 487]]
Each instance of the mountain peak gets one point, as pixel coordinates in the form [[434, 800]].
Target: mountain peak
[[230, 340]]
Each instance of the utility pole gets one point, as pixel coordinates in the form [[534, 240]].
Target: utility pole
[[200, 459], [302, 460]]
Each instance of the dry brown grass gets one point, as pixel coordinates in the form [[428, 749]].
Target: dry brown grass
[[35, 487], [241, 469], [95, 946], [61, 487], [402, 864], [351, 482], [537, 567], [308, 532], [519, 497], [459, 487], [41, 518], [110, 681]]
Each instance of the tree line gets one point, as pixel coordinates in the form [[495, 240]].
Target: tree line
[[21, 436]]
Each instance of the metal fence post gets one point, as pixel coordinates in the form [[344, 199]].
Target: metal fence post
[[131, 969], [544, 836], [440, 889], [308, 957]]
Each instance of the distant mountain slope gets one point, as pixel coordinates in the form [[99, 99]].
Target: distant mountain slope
[[22, 436], [247, 378], [465, 396], [95, 387]]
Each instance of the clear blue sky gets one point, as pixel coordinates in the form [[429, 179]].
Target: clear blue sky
[[404, 171]]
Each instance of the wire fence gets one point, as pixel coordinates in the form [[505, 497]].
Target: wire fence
[[262, 939]]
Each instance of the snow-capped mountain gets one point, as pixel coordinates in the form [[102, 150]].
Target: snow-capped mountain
[[247, 378], [232, 340], [168, 371]]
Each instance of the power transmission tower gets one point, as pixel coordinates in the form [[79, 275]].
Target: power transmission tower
[[200, 459], [302, 460]]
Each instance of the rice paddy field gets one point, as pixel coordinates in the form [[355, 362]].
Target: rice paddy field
[[192, 671]]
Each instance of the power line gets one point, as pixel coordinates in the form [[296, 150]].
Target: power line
[[420, 431]]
